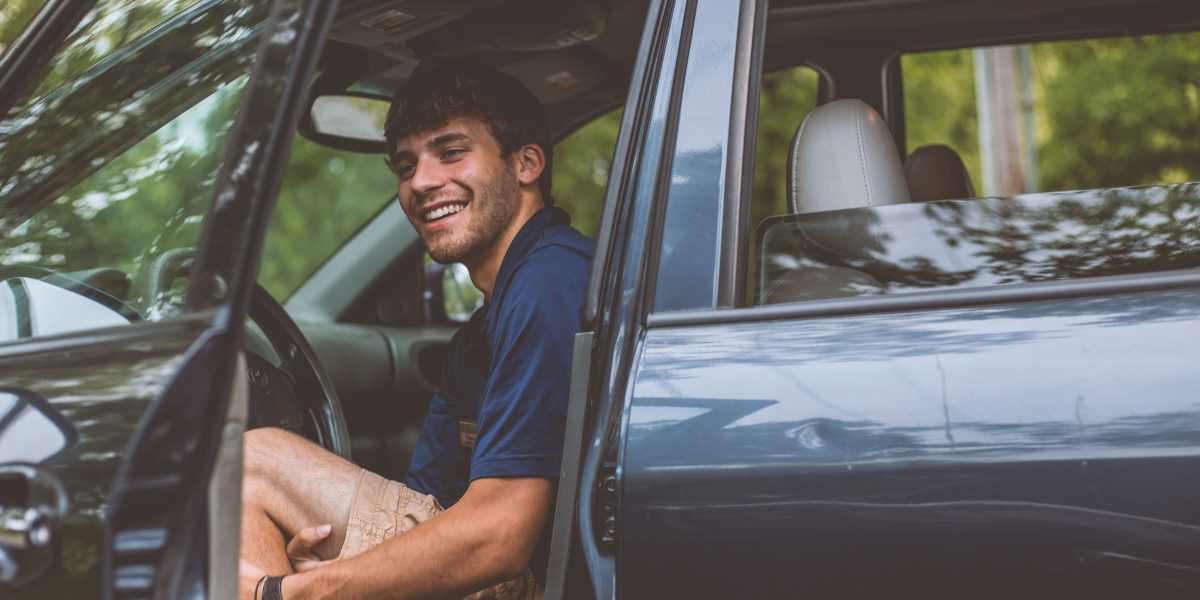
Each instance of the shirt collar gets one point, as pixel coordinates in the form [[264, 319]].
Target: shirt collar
[[524, 243]]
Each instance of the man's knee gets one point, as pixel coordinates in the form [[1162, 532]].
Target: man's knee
[[263, 451]]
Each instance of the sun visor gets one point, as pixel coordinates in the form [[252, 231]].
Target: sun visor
[[554, 77]]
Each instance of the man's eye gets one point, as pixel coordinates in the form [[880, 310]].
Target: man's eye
[[452, 153]]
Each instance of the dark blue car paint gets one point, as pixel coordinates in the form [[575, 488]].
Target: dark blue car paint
[[1047, 445]]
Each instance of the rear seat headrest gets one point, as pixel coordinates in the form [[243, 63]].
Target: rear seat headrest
[[843, 156], [937, 172]]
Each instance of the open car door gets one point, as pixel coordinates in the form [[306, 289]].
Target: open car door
[[141, 145]]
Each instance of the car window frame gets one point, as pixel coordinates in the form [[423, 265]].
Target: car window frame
[[716, 312]]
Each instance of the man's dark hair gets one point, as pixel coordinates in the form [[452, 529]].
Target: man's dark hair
[[440, 91]]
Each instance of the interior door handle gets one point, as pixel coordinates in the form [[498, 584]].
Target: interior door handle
[[32, 504]]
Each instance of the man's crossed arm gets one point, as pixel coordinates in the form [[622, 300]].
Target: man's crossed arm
[[487, 537]]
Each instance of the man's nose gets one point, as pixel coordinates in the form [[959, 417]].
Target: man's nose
[[427, 176]]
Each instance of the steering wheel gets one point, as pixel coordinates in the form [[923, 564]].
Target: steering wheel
[[290, 390], [288, 387]]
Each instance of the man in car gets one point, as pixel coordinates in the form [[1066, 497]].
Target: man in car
[[471, 149]]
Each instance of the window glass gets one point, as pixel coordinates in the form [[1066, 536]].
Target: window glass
[[1084, 151], [326, 196], [786, 97], [1061, 115], [105, 177], [581, 165]]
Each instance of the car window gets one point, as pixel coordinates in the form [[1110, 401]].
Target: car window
[[326, 196], [1083, 153], [581, 165], [107, 170], [1061, 115]]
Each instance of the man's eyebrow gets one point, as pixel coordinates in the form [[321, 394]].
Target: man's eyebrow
[[447, 138]]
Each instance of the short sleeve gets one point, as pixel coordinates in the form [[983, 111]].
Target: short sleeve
[[523, 413]]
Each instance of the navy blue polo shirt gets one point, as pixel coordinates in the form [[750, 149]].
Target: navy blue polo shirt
[[509, 368]]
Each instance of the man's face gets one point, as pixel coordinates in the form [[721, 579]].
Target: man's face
[[456, 188]]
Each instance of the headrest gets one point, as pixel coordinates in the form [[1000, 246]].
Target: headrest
[[937, 172], [843, 156]]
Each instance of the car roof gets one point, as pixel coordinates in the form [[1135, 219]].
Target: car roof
[[929, 24]]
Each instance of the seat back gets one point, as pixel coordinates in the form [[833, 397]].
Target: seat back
[[937, 172], [843, 156]]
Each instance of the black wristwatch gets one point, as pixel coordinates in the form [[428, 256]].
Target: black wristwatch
[[271, 586]]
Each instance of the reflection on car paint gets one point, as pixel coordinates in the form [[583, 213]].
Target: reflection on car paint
[[953, 433], [102, 390], [980, 242]]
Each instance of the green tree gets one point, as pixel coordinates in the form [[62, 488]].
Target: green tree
[[582, 162]]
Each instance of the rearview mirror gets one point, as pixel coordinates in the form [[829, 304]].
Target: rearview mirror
[[450, 296], [460, 295], [347, 120]]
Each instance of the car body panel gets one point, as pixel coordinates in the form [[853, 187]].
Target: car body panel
[[101, 383], [807, 455], [150, 400]]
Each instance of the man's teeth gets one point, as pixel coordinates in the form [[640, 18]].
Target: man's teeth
[[443, 211]]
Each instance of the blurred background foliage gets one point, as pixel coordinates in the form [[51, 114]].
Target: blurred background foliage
[[1108, 112]]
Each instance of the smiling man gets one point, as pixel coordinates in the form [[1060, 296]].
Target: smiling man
[[472, 153]]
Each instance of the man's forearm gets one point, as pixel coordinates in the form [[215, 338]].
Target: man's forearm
[[484, 539]]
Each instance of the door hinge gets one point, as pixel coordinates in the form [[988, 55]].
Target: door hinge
[[607, 493]]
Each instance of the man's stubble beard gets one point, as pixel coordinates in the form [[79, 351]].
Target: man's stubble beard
[[492, 208]]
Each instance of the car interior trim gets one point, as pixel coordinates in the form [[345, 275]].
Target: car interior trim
[[565, 505], [1047, 290], [225, 491]]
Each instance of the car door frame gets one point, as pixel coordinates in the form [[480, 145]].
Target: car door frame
[[152, 546], [222, 279], [674, 73]]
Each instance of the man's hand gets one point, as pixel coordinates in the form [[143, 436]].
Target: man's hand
[[300, 550]]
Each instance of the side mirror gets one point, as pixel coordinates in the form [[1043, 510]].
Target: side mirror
[[460, 295], [33, 308], [450, 297], [347, 120]]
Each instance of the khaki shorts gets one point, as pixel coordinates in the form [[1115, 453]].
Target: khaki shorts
[[382, 509]]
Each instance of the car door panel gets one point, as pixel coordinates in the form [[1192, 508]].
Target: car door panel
[[102, 382], [1054, 439], [385, 377], [155, 402]]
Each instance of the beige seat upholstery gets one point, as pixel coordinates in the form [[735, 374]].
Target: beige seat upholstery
[[842, 157], [936, 172]]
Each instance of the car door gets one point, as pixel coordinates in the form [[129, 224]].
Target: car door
[[140, 144], [1002, 439], [584, 557]]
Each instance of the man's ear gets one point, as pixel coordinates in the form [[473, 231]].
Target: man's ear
[[531, 163]]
